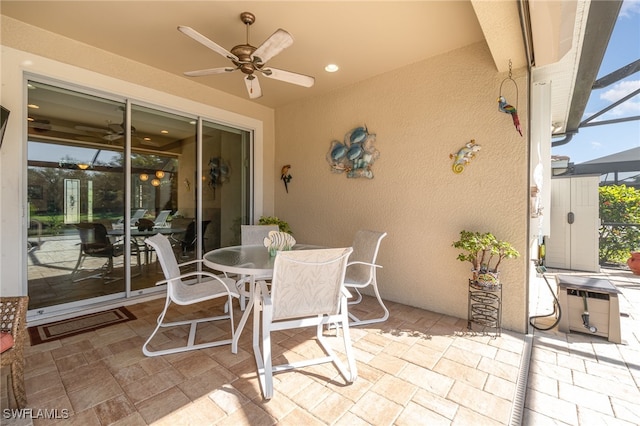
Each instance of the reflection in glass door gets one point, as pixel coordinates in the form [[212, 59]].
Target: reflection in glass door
[[93, 197], [75, 189], [162, 145], [226, 184]]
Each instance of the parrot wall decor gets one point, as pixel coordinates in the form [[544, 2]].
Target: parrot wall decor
[[285, 176], [510, 109]]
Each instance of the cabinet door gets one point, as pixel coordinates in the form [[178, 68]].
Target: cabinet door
[[557, 243], [574, 219], [585, 207]]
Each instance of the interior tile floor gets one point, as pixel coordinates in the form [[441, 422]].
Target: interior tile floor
[[418, 367]]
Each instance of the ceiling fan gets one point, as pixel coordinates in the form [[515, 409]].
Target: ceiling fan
[[112, 132], [250, 59]]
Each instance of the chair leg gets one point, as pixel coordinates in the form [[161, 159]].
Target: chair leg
[[351, 375], [78, 263], [17, 383], [263, 356], [356, 321], [192, 332]]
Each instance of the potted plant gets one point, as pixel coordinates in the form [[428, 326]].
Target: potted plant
[[272, 220], [485, 253]]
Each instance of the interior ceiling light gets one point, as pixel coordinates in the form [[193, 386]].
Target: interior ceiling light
[[331, 68], [34, 106], [164, 131], [160, 174], [155, 182], [83, 166], [144, 177]]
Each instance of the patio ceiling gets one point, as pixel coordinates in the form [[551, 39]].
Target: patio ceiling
[[563, 41]]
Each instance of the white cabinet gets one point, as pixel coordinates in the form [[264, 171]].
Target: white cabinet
[[573, 240]]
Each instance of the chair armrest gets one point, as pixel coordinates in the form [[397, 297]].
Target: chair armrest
[[357, 262], [189, 262], [264, 293], [194, 274], [346, 293]]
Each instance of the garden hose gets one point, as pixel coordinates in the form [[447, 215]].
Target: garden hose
[[585, 314], [557, 312]]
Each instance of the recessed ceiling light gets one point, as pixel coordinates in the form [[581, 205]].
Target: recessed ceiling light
[[34, 106], [331, 68], [164, 132]]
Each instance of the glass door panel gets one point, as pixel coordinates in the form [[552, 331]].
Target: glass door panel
[[83, 246], [225, 183], [163, 147], [75, 187]]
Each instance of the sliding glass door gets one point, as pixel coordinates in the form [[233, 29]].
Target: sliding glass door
[[97, 187]]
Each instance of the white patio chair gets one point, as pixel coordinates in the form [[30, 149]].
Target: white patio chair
[[205, 286], [251, 235], [306, 291], [255, 234], [361, 271], [138, 214], [161, 220]]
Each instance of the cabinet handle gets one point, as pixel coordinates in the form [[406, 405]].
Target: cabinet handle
[[571, 217]]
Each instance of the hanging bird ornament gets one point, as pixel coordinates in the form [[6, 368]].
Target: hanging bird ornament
[[502, 102], [510, 109], [285, 176]]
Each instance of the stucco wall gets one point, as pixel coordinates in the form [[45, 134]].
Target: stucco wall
[[27, 49], [420, 115]]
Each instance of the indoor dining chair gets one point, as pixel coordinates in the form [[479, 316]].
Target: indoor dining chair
[[361, 271], [95, 243], [306, 290], [187, 289]]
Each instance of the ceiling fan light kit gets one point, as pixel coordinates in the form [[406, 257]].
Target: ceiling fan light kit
[[249, 59]]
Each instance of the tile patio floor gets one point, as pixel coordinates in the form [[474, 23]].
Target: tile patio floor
[[418, 367]]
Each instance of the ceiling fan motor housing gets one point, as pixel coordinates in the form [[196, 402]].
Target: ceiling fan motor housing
[[243, 52]]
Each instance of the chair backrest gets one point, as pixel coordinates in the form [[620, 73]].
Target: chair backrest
[[162, 246], [161, 219], [135, 216], [255, 234], [307, 283], [189, 241], [365, 249], [93, 236]]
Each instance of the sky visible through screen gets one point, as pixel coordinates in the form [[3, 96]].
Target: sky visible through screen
[[599, 141]]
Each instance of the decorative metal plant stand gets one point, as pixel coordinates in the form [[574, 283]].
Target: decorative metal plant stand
[[485, 307]]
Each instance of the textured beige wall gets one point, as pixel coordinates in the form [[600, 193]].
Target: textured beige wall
[[420, 115]]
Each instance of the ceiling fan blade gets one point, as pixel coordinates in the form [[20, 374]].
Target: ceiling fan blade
[[92, 129], [253, 86], [188, 31], [289, 77], [209, 71], [275, 44]]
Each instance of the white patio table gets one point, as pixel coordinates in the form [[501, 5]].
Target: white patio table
[[253, 261]]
